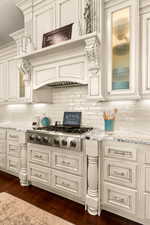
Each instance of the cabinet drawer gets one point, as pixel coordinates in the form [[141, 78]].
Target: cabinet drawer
[[2, 161], [120, 172], [147, 179], [39, 174], [120, 151], [67, 162], [2, 133], [147, 155], [40, 156], [13, 164], [120, 198], [12, 135], [13, 149], [68, 183], [2, 146]]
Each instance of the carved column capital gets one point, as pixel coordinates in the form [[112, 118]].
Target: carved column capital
[[92, 52], [25, 67]]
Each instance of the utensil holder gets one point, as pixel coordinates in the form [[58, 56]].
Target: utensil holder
[[109, 125]]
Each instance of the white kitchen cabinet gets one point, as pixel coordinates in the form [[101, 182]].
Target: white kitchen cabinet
[[69, 11], [39, 174], [44, 20], [3, 149], [3, 82], [67, 183], [13, 152], [145, 51], [12, 85], [122, 47], [67, 162], [120, 198]]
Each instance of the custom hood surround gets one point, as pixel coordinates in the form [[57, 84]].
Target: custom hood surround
[[70, 63]]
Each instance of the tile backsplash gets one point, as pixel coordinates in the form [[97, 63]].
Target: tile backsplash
[[131, 114]]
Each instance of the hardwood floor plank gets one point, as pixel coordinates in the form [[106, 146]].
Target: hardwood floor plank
[[59, 206]]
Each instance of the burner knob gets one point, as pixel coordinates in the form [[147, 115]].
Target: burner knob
[[38, 138], [56, 142], [45, 140], [73, 144], [64, 142], [32, 137]]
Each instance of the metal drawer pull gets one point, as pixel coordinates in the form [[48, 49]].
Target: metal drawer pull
[[65, 184], [38, 175], [121, 200], [12, 165], [66, 163], [119, 174], [121, 152], [13, 136], [38, 156]]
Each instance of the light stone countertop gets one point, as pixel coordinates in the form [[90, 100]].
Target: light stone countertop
[[128, 136], [16, 126]]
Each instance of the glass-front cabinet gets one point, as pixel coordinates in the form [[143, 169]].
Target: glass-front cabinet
[[122, 31]]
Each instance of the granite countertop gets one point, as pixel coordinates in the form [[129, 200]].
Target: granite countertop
[[15, 125], [128, 136]]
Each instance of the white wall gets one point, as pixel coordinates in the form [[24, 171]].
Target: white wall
[[133, 115]]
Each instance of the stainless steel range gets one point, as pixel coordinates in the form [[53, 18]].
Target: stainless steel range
[[67, 136]]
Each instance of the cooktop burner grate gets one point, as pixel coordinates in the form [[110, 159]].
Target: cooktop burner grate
[[66, 129]]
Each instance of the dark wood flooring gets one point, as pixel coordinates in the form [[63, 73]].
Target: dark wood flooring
[[57, 205]]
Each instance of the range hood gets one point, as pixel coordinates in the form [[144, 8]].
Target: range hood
[[65, 84], [70, 63]]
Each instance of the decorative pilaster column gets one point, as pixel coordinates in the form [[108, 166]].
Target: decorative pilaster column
[[93, 51], [23, 159], [92, 196], [23, 170]]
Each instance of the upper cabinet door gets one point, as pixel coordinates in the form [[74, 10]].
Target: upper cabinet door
[[3, 82], [12, 78], [69, 11], [145, 50], [122, 43], [44, 20]]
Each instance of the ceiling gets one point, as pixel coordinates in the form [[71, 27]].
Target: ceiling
[[11, 20]]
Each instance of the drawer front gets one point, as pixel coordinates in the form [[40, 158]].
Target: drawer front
[[120, 152], [147, 179], [2, 134], [120, 173], [39, 156], [67, 162], [120, 198], [13, 135], [147, 156], [68, 183], [3, 147], [13, 149], [39, 174], [13, 164], [2, 161]]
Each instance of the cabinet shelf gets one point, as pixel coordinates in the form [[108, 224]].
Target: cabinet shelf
[[58, 47]]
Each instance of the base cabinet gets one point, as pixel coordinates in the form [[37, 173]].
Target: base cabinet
[[57, 170]]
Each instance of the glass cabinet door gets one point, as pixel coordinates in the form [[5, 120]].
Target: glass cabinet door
[[120, 49]]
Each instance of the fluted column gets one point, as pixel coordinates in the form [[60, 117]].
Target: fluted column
[[23, 169], [92, 197]]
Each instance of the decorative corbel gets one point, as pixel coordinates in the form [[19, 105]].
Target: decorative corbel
[[92, 52], [25, 67]]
